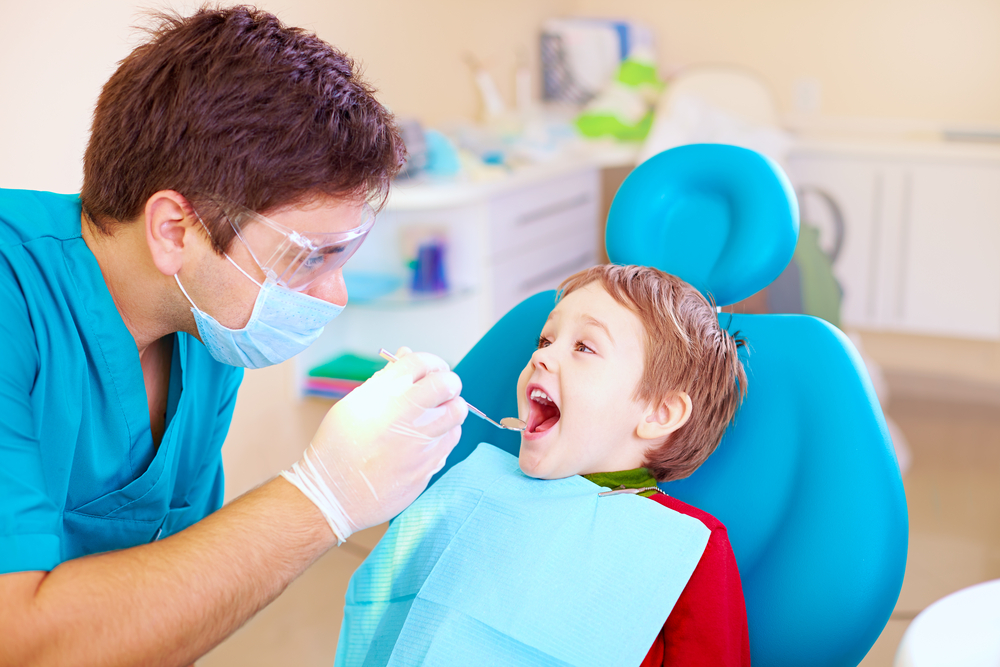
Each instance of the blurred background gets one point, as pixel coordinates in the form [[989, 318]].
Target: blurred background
[[523, 117]]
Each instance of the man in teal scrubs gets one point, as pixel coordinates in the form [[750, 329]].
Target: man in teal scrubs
[[226, 182]]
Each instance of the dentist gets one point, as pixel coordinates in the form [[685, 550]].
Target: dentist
[[226, 183]]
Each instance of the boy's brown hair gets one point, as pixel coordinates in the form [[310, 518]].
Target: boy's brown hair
[[685, 350], [231, 104]]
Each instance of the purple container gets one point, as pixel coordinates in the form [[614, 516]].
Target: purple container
[[428, 270]]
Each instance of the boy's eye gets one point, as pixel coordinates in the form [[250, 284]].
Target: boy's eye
[[581, 347], [543, 342]]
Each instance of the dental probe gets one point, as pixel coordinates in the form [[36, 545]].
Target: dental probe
[[507, 423], [621, 489]]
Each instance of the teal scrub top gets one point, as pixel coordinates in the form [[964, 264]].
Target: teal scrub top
[[79, 473]]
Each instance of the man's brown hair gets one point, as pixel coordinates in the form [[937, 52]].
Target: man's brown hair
[[685, 350], [231, 104]]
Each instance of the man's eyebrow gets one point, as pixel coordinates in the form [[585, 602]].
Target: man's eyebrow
[[590, 319]]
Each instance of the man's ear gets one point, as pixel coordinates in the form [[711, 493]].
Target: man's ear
[[169, 221], [663, 418]]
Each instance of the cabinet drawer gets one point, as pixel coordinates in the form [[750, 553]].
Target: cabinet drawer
[[551, 208], [539, 268]]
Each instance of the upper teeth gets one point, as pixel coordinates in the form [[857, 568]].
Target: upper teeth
[[538, 394]]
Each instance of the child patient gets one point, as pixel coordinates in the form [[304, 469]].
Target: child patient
[[634, 382]]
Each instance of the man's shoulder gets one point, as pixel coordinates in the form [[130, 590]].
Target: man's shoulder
[[26, 215], [710, 521]]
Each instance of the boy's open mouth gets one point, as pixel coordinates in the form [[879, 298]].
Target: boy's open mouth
[[543, 413]]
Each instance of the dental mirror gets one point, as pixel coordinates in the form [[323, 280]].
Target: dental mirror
[[507, 423], [513, 424]]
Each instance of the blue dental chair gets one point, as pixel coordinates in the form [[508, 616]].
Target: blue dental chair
[[805, 478]]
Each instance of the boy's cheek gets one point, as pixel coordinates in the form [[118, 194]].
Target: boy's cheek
[[522, 383]]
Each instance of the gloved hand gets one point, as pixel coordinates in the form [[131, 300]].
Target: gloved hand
[[377, 448]]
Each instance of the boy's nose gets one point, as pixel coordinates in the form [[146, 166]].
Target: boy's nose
[[543, 358]]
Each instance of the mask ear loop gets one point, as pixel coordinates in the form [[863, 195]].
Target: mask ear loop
[[184, 291], [240, 269], [178, 280], [231, 261]]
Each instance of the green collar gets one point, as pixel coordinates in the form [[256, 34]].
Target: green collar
[[624, 479]]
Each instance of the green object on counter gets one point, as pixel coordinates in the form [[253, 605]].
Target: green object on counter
[[595, 125], [349, 367], [637, 73], [624, 110]]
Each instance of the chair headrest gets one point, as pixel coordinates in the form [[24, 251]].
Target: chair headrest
[[723, 218]]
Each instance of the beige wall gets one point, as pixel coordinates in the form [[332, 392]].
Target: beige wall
[[53, 62], [924, 59], [414, 52]]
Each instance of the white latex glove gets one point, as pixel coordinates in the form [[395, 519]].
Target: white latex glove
[[377, 448]]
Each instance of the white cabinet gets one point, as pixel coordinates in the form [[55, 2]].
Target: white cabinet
[[921, 249], [540, 235], [950, 251], [506, 240], [857, 189]]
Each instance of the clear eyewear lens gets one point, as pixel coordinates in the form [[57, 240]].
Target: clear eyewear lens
[[320, 262], [296, 259]]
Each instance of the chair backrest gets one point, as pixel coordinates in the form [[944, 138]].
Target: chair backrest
[[736, 90], [805, 479]]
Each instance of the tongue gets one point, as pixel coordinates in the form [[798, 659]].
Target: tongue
[[547, 424]]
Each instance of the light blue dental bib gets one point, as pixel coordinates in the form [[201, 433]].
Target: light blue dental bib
[[491, 567]]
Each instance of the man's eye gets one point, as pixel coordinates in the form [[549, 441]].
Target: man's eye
[[313, 261], [316, 259], [543, 342]]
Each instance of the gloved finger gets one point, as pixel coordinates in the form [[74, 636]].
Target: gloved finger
[[396, 377], [427, 428], [435, 422], [402, 352], [434, 390], [419, 364], [442, 449]]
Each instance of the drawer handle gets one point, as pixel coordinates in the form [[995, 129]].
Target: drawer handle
[[566, 268], [550, 210]]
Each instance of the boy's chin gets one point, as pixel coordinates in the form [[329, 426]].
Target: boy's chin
[[536, 469], [528, 468]]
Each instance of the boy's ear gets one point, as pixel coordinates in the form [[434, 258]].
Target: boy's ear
[[663, 418]]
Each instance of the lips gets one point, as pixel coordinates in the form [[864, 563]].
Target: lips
[[543, 413]]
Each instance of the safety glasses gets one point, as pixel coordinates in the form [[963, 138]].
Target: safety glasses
[[295, 259]]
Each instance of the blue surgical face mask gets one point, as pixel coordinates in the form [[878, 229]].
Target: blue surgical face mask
[[282, 324]]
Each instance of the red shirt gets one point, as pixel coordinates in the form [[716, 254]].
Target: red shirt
[[708, 625]]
